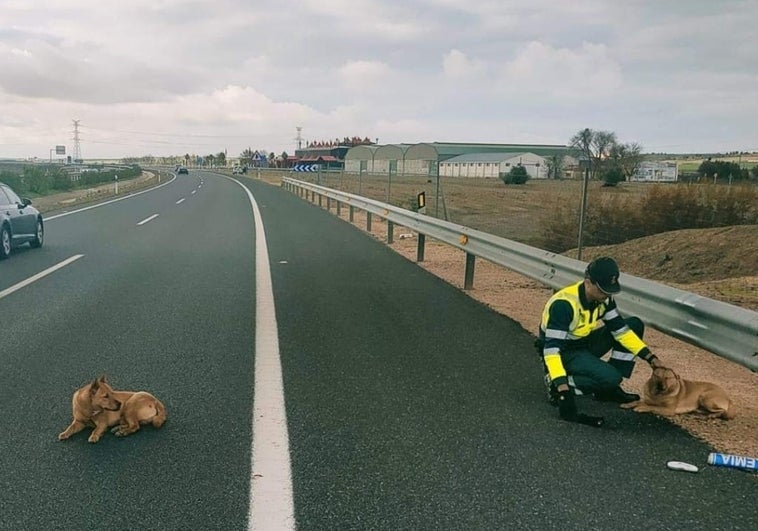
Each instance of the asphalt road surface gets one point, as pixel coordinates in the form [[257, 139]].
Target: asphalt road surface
[[408, 404]]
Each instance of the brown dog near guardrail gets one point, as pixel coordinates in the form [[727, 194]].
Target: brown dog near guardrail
[[667, 393], [98, 404]]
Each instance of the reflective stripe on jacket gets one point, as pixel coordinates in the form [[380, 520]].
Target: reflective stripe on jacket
[[567, 322]]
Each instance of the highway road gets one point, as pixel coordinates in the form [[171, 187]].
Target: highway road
[[408, 404]]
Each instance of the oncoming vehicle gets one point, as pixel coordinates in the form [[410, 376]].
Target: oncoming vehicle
[[181, 170], [20, 222]]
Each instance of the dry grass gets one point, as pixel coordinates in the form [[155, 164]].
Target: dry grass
[[710, 262]]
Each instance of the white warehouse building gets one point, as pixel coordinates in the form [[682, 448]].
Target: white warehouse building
[[493, 165]]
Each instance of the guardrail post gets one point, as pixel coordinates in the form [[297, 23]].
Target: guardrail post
[[420, 247], [390, 232], [329, 203], [339, 208], [368, 221], [468, 283], [320, 197], [351, 215]]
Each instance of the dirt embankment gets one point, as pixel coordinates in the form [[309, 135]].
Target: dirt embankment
[[720, 263]]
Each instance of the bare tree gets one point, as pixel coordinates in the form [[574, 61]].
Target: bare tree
[[627, 157], [595, 147], [582, 142], [554, 165]]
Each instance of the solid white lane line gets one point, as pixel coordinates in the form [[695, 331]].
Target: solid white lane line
[[180, 201], [146, 220], [271, 501], [111, 201], [39, 275]]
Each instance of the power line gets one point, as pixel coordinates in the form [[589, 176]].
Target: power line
[[177, 135]]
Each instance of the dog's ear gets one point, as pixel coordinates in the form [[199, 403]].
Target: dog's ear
[[93, 387]]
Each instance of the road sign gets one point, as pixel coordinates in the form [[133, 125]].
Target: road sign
[[306, 167], [60, 150]]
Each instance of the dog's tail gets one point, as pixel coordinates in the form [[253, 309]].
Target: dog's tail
[[160, 416]]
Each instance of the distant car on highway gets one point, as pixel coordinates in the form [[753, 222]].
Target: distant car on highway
[[20, 222], [182, 169]]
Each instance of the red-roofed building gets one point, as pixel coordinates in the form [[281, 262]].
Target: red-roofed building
[[330, 154]]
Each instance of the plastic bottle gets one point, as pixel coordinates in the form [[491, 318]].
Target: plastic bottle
[[733, 461]]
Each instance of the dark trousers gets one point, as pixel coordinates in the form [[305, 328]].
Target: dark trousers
[[591, 374]]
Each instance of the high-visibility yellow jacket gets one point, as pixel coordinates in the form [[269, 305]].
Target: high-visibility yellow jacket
[[568, 320]]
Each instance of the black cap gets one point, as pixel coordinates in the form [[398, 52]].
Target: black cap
[[604, 273]]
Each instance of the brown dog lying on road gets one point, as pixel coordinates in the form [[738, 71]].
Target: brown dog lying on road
[[666, 393], [98, 404]]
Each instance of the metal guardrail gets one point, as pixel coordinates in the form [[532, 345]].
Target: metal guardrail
[[721, 328]]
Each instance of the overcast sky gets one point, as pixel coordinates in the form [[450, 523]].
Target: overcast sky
[[167, 77]]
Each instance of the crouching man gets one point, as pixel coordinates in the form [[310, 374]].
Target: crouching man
[[581, 323]]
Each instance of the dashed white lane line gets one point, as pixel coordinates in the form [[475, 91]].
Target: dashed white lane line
[[271, 501], [147, 220], [62, 214], [180, 201], [39, 275]]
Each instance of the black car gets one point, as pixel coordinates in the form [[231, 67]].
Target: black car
[[181, 169], [20, 222]]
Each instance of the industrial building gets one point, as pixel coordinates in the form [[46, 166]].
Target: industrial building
[[493, 165], [426, 158]]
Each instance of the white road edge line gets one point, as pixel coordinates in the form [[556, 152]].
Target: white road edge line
[[62, 214], [147, 220], [271, 501], [39, 275]]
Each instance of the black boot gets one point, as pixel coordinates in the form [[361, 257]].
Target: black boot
[[616, 395]]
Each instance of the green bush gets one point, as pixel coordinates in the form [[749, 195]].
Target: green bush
[[62, 182], [38, 179], [13, 180], [517, 175], [613, 176]]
